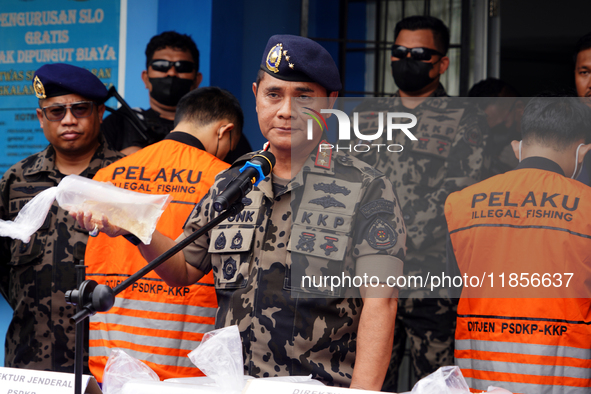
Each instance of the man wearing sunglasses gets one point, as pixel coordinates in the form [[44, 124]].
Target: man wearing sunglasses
[[172, 70], [34, 276], [447, 156]]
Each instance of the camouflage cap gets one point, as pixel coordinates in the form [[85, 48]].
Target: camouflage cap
[[295, 58]]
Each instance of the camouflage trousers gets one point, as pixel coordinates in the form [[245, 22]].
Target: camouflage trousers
[[429, 325]]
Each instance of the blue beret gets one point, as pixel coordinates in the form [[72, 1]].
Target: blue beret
[[295, 58], [58, 79]]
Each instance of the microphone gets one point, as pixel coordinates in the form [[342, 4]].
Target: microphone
[[253, 172]]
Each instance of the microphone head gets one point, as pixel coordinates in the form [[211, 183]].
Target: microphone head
[[266, 160]]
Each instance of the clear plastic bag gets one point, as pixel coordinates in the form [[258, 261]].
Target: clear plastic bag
[[135, 212], [219, 356], [122, 368], [448, 380]]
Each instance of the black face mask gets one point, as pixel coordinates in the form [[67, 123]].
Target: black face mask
[[169, 90], [411, 75]]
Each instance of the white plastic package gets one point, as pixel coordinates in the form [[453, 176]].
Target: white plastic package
[[135, 212], [122, 368], [219, 356], [448, 380]]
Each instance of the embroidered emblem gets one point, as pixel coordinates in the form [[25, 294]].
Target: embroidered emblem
[[377, 206], [381, 235], [306, 242], [39, 89], [473, 136], [332, 188], [30, 189], [229, 268], [328, 201], [274, 58], [442, 147], [423, 143], [329, 246], [220, 242], [237, 241]]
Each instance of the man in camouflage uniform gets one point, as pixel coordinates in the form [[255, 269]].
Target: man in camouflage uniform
[[336, 216], [34, 276], [447, 156]]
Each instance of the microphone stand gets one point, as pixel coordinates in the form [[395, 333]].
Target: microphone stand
[[92, 298]]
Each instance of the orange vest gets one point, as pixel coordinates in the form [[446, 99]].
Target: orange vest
[[524, 232], [150, 320]]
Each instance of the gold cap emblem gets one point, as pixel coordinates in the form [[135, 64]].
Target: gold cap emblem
[[39, 89], [274, 58]]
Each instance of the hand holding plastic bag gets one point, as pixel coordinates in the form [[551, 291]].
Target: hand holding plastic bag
[[122, 368], [135, 212], [219, 356]]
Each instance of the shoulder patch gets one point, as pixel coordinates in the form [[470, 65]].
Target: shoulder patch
[[473, 136], [377, 206], [381, 235]]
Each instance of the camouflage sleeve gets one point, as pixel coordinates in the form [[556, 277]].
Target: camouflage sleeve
[[465, 165], [380, 235]]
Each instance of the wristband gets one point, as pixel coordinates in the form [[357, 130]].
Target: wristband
[[132, 238]]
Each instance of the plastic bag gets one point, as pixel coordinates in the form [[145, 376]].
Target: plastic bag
[[446, 380], [135, 212], [30, 218], [219, 356], [122, 368]]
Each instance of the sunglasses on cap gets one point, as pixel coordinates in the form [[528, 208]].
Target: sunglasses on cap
[[55, 113], [416, 53], [181, 66]]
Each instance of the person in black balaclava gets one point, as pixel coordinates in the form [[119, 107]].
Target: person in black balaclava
[[172, 70]]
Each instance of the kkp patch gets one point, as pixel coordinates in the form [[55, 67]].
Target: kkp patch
[[381, 235]]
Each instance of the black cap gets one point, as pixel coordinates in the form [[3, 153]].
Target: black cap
[[58, 79], [299, 59]]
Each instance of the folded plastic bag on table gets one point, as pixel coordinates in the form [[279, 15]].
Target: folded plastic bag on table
[[219, 356], [135, 212], [122, 368], [447, 380]]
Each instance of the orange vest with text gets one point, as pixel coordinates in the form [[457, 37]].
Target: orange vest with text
[[522, 242], [150, 320]]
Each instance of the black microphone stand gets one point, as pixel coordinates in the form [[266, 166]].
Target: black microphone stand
[[91, 297]]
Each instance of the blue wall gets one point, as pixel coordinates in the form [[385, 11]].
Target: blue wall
[[240, 33]]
